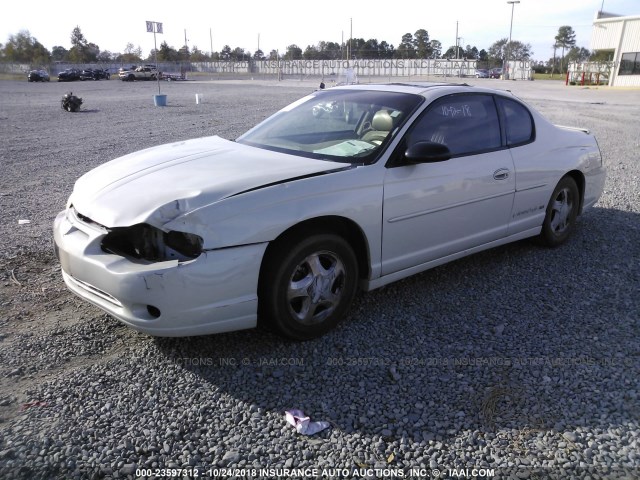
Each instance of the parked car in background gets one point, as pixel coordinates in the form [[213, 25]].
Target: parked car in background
[[102, 73], [69, 75], [349, 187], [88, 74], [495, 73], [146, 72], [38, 76], [482, 73]]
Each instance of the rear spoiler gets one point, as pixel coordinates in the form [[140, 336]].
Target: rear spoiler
[[575, 129]]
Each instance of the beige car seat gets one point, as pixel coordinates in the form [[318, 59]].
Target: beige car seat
[[381, 124]]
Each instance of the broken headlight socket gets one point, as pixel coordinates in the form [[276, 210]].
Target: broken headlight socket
[[188, 244], [143, 241]]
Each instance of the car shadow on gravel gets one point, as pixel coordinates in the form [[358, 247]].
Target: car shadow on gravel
[[518, 337]]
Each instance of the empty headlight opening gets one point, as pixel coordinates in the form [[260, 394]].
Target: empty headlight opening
[[146, 242]]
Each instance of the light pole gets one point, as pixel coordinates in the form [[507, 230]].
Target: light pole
[[350, 37], [504, 71], [457, 40]]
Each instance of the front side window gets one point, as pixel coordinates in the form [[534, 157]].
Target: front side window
[[630, 64], [466, 124], [338, 125]]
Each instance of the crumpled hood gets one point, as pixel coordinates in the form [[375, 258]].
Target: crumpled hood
[[159, 184]]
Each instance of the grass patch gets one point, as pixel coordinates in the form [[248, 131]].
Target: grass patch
[[13, 76], [549, 76]]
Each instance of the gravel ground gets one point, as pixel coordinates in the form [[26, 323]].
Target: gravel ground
[[521, 360]]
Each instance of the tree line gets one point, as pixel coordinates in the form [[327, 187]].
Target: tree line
[[24, 48]]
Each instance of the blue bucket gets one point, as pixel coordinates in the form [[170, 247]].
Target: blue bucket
[[160, 100]]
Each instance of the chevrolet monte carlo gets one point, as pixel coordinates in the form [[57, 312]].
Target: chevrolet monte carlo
[[348, 188]]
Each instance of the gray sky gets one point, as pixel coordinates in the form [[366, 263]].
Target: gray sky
[[279, 23]]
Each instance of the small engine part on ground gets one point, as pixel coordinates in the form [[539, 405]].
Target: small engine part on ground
[[70, 102]]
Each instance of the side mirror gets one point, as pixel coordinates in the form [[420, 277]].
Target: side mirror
[[427, 152]]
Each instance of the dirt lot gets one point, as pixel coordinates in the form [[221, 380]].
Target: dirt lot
[[45, 149], [73, 380]]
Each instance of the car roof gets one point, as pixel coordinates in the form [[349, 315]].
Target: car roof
[[428, 90]]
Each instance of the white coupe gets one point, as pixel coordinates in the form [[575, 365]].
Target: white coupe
[[347, 188]]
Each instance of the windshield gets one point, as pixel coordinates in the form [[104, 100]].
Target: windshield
[[338, 125]]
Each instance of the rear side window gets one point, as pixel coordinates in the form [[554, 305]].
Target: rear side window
[[518, 122], [467, 124]]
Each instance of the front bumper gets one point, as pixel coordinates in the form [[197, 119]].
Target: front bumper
[[214, 293]]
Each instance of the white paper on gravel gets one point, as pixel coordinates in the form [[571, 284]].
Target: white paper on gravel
[[303, 424]]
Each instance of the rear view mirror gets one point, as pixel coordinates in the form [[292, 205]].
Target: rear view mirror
[[427, 152]]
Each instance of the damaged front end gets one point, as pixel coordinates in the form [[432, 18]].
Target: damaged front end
[[146, 242], [158, 282]]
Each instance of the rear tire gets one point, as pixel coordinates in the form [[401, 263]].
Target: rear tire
[[307, 284], [562, 211]]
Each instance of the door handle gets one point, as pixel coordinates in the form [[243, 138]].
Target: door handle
[[501, 174]]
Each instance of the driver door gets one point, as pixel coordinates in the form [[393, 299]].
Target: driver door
[[433, 210]]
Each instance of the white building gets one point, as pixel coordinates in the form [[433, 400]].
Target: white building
[[621, 36]]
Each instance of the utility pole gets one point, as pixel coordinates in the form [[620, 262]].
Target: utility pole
[[350, 37], [508, 53], [457, 48]]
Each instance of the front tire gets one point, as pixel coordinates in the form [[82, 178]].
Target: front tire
[[307, 285], [562, 211]]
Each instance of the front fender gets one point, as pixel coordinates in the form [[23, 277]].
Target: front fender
[[261, 215]]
